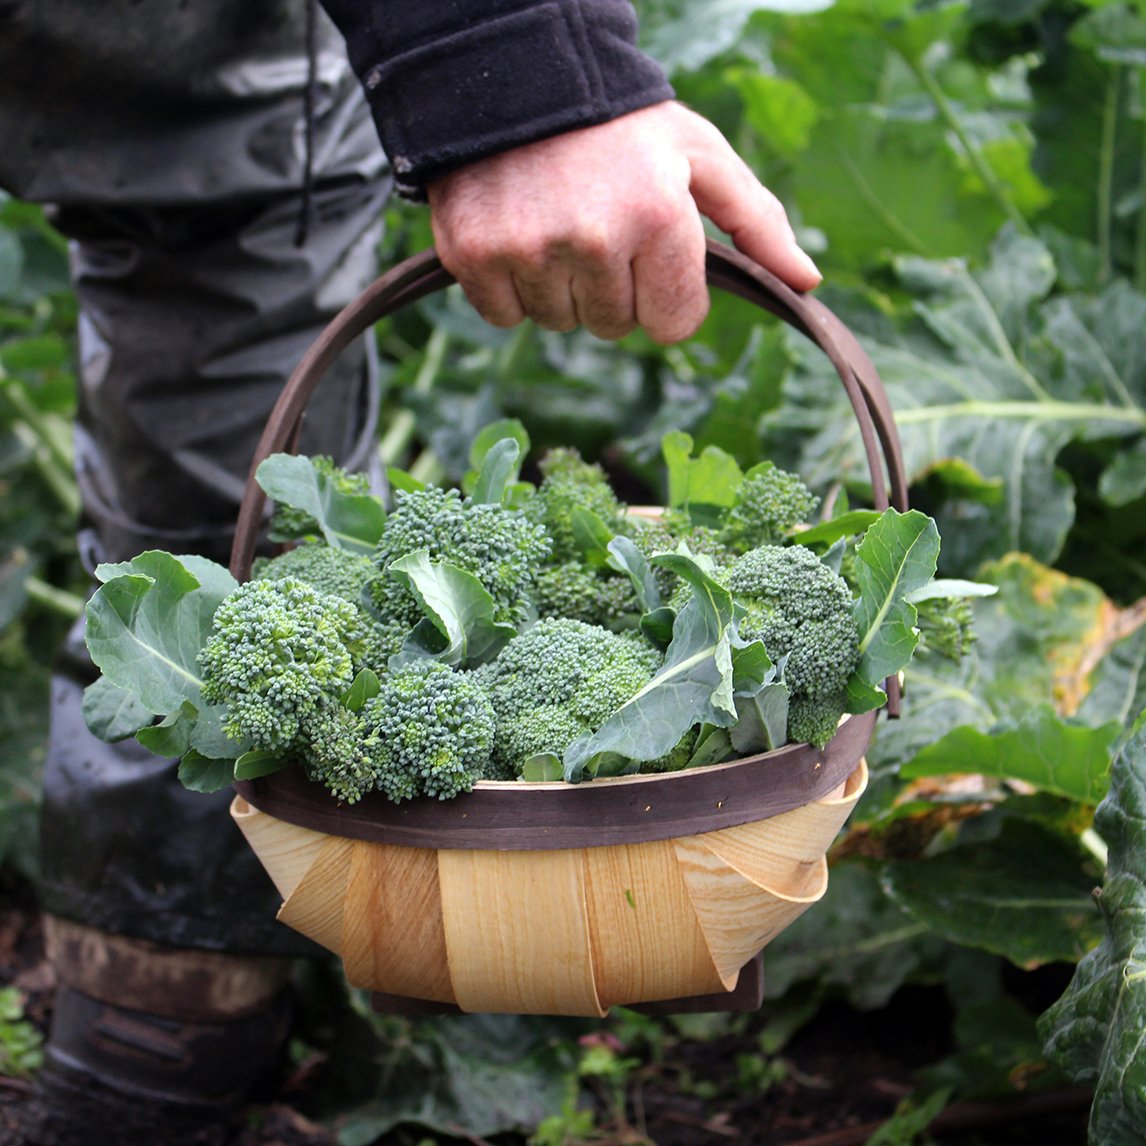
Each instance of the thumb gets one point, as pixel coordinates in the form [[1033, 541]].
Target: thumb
[[726, 191]]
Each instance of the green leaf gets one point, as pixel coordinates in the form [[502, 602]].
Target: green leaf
[[694, 685], [145, 627], [252, 765], [687, 34], [202, 774], [856, 942], [1025, 895], [458, 606], [849, 524], [761, 720], [1042, 749], [499, 468], [364, 686], [1124, 480], [171, 737], [492, 433], [591, 535], [896, 557], [543, 766], [348, 521], [1094, 1032], [625, 557], [1118, 685], [710, 479], [113, 713], [993, 369], [401, 480]]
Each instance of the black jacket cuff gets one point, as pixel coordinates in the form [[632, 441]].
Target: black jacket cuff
[[452, 81]]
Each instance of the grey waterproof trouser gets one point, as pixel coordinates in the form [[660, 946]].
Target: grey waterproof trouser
[[170, 138]]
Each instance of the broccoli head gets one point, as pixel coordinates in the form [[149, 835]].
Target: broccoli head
[[324, 567], [569, 482], [594, 596], [769, 504], [428, 731], [501, 547], [801, 611], [279, 654], [946, 627], [558, 680]]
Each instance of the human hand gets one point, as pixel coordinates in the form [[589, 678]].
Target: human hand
[[602, 226]]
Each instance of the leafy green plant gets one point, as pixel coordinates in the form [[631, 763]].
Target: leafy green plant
[[20, 1040]]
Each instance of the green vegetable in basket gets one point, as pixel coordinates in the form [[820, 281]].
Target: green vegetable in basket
[[539, 630]]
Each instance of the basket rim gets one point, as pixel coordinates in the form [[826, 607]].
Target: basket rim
[[549, 815]]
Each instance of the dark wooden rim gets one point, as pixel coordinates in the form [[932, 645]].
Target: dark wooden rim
[[512, 816], [519, 816]]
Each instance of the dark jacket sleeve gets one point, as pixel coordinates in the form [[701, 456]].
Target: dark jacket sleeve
[[451, 81]]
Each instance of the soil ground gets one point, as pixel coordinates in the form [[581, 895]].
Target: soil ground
[[844, 1074]]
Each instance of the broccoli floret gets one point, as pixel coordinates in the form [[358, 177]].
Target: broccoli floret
[[434, 729], [280, 654], [676, 758], [946, 627], [814, 719], [558, 680], [325, 567], [568, 483], [768, 505], [574, 590], [291, 524], [501, 547], [801, 610], [429, 731], [340, 753]]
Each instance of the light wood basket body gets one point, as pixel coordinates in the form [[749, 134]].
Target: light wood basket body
[[570, 931]]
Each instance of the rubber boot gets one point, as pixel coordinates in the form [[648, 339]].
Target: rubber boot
[[155, 1045]]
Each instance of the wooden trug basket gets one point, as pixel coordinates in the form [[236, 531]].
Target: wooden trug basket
[[552, 898]]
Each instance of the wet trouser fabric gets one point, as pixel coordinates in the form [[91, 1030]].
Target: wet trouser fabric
[[171, 141]]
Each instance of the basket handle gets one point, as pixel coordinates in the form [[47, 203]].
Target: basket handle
[[726, 269]]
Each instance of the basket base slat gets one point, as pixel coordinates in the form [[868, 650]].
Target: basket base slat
[[646, 941], [517, 932], [316, 905], [393, 939]]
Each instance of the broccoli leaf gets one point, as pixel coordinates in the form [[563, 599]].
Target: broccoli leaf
[[993, 893], [896, 557], [202, 774], [849, 524], [1042, 749], [500, 466], [347, 521], [625, 557], [146, 626], [458, 607], [259, 762], [694, 686], [113, 713], [762, 722], [1094, 1031], [486, 438], [710, 479]]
